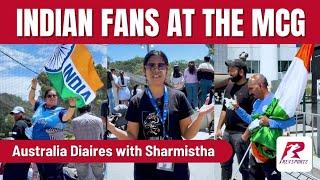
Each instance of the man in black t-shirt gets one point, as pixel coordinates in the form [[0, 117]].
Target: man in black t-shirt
[[235, 127], [18, 170]]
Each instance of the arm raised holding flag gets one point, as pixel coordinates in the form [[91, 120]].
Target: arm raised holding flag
[[72, 102]]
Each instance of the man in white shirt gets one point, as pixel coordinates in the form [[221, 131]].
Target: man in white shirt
[[205, 76]]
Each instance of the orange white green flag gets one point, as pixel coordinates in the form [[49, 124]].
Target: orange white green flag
[[72, 73]]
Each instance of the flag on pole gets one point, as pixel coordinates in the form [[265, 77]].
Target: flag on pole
[[72, 73], [286, 99]]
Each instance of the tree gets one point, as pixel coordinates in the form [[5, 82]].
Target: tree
[[7, 102], [133, 66], [211, 50], [43, 82]]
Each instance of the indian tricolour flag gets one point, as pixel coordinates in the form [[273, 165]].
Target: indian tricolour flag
[[72, 73], [286, 99]]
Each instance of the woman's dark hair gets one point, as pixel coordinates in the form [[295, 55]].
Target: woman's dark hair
[[109, 76], [176, 71], [135, 89], [48, 90], [155, 53], [121, 77], [191, 67]]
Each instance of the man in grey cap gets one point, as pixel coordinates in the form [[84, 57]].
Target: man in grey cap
[[18, 170], [235, 127]]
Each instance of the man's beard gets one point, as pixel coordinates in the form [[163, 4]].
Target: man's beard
[[236, 78]]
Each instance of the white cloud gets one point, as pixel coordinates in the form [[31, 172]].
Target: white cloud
[[35, 59], [6, 64], [46, 51], [99, 48], [99, 53], [15, 85]]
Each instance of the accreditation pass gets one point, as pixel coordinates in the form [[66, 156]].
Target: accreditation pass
[[165, 166]]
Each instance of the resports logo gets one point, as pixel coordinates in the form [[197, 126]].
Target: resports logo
[[294, 154]]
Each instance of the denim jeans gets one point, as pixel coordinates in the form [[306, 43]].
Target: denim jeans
[[204, 90], [192, 93], [111, 100], [239, 148]]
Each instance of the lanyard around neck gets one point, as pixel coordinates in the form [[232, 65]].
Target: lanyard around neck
[[165, 113]]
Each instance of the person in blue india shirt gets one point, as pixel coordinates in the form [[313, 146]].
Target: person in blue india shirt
[[160, 113], [48, 123], [258, 87]]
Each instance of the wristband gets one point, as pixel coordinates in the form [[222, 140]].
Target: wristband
[[33, 88], [72, 106]]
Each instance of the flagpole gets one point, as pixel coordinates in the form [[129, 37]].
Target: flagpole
[[244, 156]]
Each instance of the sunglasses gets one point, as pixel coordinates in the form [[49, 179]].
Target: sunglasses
[[153, 66], [51, 95]]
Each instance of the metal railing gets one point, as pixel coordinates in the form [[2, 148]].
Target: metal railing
[[305, 126], [307, 119]]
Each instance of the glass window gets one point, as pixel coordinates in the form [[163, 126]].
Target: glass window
[[253, 66], [283, 66]]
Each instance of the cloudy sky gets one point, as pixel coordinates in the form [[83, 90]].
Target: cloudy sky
[[15, 79]]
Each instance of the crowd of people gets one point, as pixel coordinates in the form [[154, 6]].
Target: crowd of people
[[195, 82], [159, 111]]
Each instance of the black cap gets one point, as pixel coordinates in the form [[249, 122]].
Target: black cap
[[237, 63]]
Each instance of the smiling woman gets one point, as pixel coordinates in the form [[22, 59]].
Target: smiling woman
[[160, 113]]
